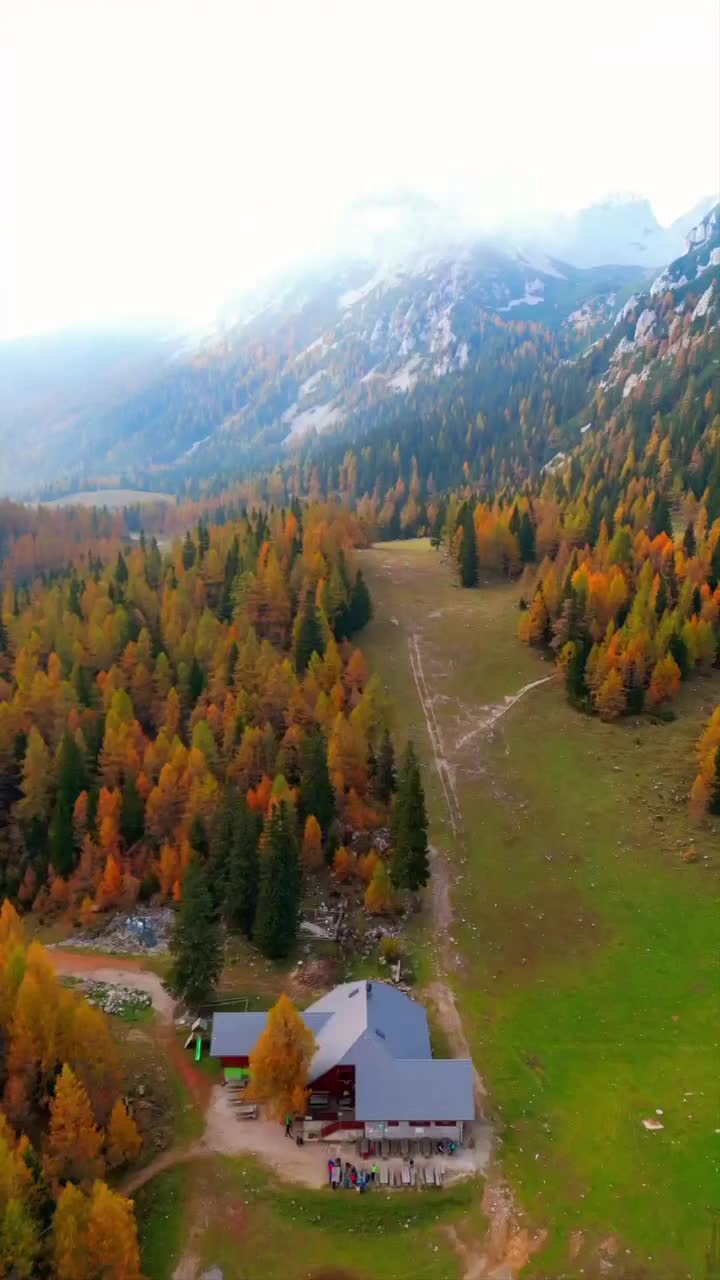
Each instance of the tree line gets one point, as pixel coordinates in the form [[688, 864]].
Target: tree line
[[200, 714], [63, 1125]]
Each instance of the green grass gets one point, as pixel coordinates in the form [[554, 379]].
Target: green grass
[[590, 984], [240, 1218], [439, 1041], [160, 1212], [211, 1067], [137, 1015], [189, 1123]]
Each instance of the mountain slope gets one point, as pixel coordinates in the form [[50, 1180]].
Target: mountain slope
[[340, 348], [523, 412], [399, 342], [50, 387]]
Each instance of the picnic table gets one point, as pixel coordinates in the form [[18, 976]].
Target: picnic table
[[245, 1111]]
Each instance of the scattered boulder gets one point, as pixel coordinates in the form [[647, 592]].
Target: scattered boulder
[[117, 1000]]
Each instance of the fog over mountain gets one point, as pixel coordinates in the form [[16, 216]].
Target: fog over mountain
[[410, 310], [157, 158]]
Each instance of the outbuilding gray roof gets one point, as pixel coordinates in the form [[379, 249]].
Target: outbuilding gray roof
[[234, 1035]]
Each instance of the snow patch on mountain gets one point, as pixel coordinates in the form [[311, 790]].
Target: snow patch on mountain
[[704, 303], [554, 462], [352, 296], [534, 293], [664, 282], [713, 261], [634, 379], [196, 444], [319, 418], [406, 377], [704, 230], [462, 355], [310, 384], [631, 305], [645, 325], [536, 260], [443, 335], [321, 345]]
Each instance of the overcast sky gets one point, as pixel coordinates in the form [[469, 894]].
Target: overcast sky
[[154, 155]]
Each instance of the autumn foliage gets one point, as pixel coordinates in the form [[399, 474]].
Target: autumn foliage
[[280, 1061], [60, 1080], [705, 792], [136, 688], [629, 618]]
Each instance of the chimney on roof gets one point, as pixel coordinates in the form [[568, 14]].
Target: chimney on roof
[[368, 988]]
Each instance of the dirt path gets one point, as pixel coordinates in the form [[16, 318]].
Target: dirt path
[[497, 712], [123, 971], [224, 1133], [443, 769], [509, 1244]]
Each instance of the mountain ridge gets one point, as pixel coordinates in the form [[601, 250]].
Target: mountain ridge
[[324, 353]]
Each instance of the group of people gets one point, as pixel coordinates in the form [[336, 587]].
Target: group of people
[[350, 1177]]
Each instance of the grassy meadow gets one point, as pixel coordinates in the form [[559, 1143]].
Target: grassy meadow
[[588, 962], [232, 1214]]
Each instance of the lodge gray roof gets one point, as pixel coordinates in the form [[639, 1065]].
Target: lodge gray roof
[[416, 1089], [382, 1033], [375, 1009]]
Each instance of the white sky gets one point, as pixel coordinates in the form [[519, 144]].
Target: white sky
[[155, 154]]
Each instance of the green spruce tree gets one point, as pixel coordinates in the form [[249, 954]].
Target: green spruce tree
[[121, 570], [410, 864], [217, 849], [360, 606], [196, 680], [278, 905], [316, 792], [526, 538], [72, 779], [575, 683], [385, 773], [438, 525], [62, 837], [310, 638], [72, 770], [241, 892], [196, 943], [132, 812], [468, 549], [189, 551], [715, 793]]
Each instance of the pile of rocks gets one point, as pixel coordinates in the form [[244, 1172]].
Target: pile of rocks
[[120, 1001], [147, 930]]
